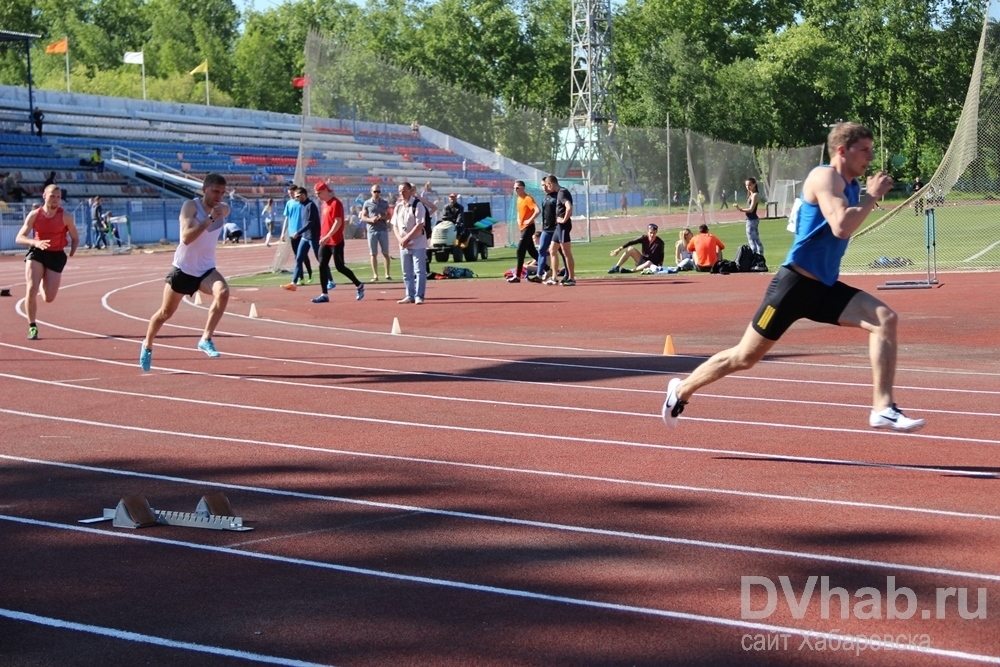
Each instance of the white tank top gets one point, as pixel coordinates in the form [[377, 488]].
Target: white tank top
[[198, 257]]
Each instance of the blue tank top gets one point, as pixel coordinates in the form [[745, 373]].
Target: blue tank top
[[816, 249]]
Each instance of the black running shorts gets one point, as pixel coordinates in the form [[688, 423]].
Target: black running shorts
[[182, 283], [791, 296], [53, 260], [562, 233]]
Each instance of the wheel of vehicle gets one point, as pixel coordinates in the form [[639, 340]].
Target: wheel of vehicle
[[471, 250], [484, 252], [442, 255], [457, 254]]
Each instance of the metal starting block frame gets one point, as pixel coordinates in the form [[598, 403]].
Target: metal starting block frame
[[213, 512]]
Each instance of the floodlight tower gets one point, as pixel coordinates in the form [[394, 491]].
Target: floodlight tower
[[591, 141]]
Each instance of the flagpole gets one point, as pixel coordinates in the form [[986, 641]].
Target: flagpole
[[143, 75], [207, 103], [67, 65]]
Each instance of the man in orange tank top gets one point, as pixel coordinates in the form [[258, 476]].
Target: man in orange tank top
[[44, 232]]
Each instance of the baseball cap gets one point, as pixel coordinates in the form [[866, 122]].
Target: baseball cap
[[653, 227], [453, 195], [321, 186]]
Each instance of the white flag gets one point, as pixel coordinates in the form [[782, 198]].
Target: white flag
[[133, 57]]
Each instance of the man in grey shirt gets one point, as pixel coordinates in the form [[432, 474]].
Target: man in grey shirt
[[375, 214]]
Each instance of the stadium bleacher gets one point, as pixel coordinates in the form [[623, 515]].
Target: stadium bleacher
[[256, 151]]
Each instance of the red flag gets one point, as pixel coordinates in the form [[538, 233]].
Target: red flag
[[300, 81]]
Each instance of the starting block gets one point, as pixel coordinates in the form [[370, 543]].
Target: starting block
[[213, 512]]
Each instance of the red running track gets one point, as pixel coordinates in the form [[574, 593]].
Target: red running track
[[494, 486]]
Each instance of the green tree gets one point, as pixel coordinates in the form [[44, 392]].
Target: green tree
[[182, 35], [808, 77]]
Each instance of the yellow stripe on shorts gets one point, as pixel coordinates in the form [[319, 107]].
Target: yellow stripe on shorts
[[765, 317]]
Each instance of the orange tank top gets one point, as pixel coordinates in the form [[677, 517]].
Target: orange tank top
[[51, 229]]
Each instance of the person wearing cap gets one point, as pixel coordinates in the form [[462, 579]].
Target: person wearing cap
[[331, 243], [651, 253], [453, 210]]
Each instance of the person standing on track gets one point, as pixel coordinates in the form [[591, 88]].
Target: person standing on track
[[331, 243], [308, 239], [44, 232], [292, 225], [194, 269], [807, 285], [527, 213]]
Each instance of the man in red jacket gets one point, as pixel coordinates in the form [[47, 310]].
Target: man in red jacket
[[331, 243]]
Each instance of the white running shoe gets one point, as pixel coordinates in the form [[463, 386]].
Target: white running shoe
[[672, 406], [892, 417]]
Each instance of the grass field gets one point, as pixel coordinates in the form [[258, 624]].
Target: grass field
[[592, 259], [968, 237]]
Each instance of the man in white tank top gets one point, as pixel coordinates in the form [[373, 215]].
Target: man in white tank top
[[194, 269]]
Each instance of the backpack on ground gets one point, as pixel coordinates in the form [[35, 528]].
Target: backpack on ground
[[457, 272], [744, 258], [725, 267], [759, 264]]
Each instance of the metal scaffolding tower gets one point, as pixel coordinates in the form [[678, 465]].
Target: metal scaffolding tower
[[591, 140]]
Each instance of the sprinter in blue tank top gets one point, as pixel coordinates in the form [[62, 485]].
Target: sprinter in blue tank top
[[807, 285]]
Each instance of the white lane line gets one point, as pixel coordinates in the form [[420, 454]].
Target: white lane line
[[982, 252], [125, 635], [458, 399], [463, 378], [509, 469], [505, 592], [472, 378], [478, 342], [354, 348], [381, 421], [490, 360], [413, 510]]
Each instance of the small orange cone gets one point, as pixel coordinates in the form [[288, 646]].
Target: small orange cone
[[668, 347]]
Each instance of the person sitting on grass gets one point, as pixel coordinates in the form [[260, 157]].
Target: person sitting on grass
[[650, 255], [684, 259], [706, 247]]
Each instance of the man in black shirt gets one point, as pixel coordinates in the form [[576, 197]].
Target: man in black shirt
[[98, 223], [453, 210], [557, 211], [650, 255], [308, 235]]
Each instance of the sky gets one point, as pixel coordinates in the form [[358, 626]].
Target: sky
[[258, 5]]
